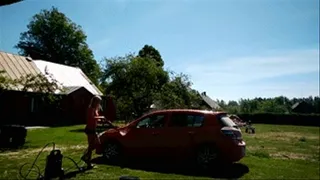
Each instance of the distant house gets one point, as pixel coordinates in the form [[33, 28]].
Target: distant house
[[18, 105], [301, 107], [209, 103]]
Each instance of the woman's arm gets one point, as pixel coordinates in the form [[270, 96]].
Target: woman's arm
[[99, 117]]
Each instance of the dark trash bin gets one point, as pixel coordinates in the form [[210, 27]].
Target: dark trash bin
[[12, 136]]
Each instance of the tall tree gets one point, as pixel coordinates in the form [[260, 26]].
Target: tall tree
[[51, 36], [133, 81], [177, 93], [150, 52]]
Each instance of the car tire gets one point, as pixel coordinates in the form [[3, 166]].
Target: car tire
[[206, 156], [111, 152]]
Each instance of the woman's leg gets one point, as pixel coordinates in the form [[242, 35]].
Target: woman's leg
[[91, 146]]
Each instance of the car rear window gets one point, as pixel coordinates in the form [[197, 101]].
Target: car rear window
[[226, 121]]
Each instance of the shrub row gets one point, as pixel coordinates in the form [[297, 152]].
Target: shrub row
[[282, 119]]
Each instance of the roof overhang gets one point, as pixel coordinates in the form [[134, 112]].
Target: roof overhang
[[8, 2]]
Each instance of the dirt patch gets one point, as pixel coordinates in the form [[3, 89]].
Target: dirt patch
[[254, 148], [32, 152], [285, 136], [290, 155]]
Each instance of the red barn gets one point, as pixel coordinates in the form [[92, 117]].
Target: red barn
[[21, 107]]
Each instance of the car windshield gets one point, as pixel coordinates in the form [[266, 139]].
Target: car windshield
[[226, 121]]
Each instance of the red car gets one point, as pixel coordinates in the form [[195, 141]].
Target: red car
[[205, 136]]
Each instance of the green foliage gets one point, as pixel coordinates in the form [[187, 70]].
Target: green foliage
[[53, 37], [177, 93], [280, 105], [5, 82], [137, 82], [133, 81], [150, 52], [39, 83]]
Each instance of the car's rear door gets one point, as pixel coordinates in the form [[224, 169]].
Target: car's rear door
[[182, 132]]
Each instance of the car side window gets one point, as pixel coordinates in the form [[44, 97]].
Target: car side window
[[198, 121], [178, 120], [154, 121], [186, 120]]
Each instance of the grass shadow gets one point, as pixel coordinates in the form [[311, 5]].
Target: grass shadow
[[99, 129], [77, 130], [73, 174], [236, 170], [12, 148]]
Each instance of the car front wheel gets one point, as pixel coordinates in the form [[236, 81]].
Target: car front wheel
[[111, 151]]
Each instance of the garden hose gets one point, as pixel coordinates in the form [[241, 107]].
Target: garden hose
[[38, 171]]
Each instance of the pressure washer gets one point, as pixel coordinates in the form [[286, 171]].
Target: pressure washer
[[53, 166]]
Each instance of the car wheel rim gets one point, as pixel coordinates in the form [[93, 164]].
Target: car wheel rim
[[111, 151], [206, 156]]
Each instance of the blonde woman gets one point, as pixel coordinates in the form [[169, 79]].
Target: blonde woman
[[92, 118]]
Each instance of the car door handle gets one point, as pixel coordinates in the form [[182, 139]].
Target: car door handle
[[155, 133], [191, 133]]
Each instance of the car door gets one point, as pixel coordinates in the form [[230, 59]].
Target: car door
[[143, 138], [181, 133]]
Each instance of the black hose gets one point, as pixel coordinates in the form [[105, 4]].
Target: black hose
[[75, 163], [38, 171], [34, 163]]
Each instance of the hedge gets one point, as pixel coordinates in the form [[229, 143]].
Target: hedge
[[282, 119]]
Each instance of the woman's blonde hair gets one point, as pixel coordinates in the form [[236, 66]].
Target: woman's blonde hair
[[95, 100]]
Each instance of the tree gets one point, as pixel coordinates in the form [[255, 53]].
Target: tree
[[5, 82], [177, 93], [232, 107], [53, 37], [150, 52], [133, 81], [39, 83]]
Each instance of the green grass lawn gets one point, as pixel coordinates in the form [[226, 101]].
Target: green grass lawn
[[274, 152]]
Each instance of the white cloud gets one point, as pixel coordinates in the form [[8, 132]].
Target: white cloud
[[234, 78], [246, 69]]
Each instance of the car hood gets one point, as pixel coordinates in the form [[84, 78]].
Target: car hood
[[115, 131]]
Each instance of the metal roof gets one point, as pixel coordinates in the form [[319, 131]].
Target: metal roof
[[68, 76], [8, 2], [209, 101], [71, 89], [16, 66]]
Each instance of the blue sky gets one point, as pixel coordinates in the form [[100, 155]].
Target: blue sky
[[231, 49]]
